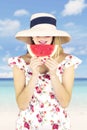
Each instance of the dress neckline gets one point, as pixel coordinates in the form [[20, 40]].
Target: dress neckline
[[66, 57]]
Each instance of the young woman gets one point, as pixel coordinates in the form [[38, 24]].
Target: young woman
[[43, 87]]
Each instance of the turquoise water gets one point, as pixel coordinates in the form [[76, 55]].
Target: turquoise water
[[79, 94], [7, 93]]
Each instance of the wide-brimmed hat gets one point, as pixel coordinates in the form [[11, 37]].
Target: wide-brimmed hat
[[42, 24]]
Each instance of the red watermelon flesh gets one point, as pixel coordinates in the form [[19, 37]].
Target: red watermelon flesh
[[42, 50]]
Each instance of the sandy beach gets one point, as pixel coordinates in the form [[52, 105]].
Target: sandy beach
[[78, 118], [8, 116], [77, 108]]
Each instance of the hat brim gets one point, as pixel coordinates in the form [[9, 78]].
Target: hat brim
[[26, 35]]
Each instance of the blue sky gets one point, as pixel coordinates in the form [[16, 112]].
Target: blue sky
[[71, 16]]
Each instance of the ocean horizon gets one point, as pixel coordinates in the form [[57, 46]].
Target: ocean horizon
[[79, 92], [77, 78], [79, 89]]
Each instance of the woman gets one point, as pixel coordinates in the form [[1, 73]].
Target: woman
[[43, 87]]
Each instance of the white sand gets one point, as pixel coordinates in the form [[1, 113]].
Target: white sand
[[78, 119], [8, 116]]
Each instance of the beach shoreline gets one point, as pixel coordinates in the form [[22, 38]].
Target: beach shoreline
[[77, 108], [8, 118]]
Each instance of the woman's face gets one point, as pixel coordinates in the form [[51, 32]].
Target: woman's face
[[45, 40]]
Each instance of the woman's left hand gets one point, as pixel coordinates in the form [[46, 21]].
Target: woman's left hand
[[52, 65]]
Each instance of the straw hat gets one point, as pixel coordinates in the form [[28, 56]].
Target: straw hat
[[42, 24]]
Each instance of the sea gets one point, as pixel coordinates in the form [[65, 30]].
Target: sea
[[77, 108], [79, 92], [7, 94]]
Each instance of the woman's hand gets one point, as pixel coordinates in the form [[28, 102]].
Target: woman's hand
[[35, 64], [52, 65]]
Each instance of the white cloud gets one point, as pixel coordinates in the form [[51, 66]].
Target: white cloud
[[82, 50], [17, 48], [5, 71], [76, 50], [5, 58], [1, 48], [21, 47], [6, 75], [8, 27], [69, 49], [70, 24], [21, 12], [53, 12], [4, 68], [74, 7], [77, 32], [25, 47]]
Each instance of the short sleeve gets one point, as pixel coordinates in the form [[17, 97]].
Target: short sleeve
[[72, 60], [16, 61]]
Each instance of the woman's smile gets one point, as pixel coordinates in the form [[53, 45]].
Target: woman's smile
[[42, 42]]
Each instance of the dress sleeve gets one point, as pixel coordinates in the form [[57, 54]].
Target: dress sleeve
[[72, 60], [16, 61]]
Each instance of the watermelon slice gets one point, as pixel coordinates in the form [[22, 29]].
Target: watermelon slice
[[42, 50]]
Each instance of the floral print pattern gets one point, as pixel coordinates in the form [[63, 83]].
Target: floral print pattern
[[44, 112]]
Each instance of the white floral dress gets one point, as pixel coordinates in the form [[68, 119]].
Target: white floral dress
[[44, 112]]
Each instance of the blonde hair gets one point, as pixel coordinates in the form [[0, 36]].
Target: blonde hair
[[57, 41]]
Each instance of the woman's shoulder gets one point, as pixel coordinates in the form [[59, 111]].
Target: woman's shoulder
[[26, 58], [70, 60], [19, 61], [62, 57]]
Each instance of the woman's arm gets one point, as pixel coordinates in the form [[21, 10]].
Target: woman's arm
[[24, 92], [63, 91]]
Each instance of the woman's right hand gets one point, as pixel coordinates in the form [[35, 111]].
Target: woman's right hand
[[35, 63]]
